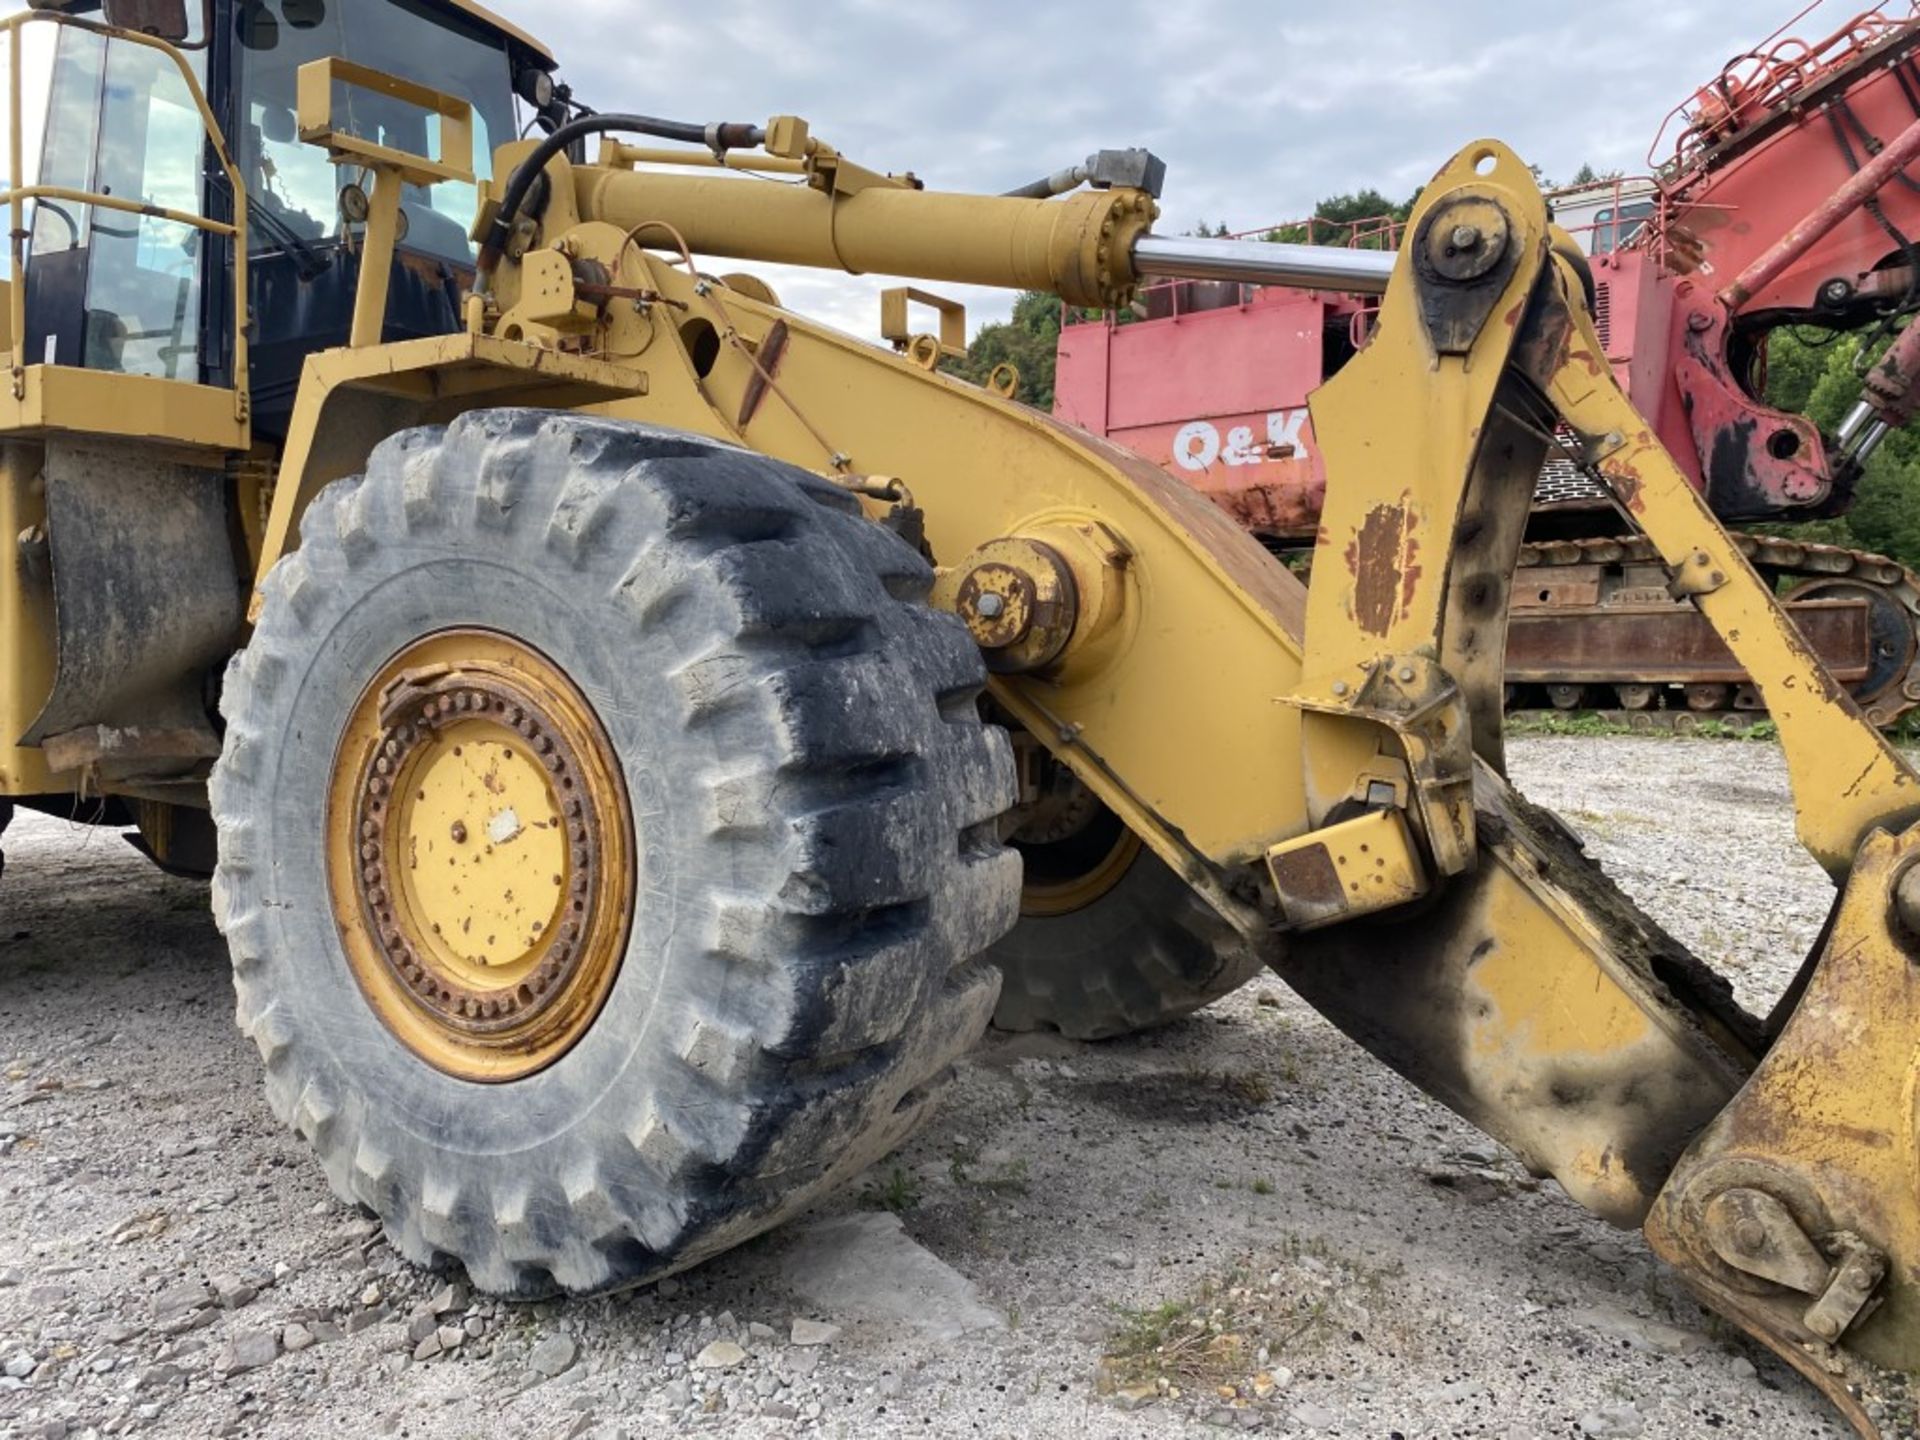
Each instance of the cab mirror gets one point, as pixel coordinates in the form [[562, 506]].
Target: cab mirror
[[163, 19], [277, 125]]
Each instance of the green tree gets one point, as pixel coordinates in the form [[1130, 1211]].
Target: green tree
[[1817, 376], [1025, 342], [1333, 216]]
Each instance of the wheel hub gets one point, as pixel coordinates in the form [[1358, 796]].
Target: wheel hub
[[1074, 848], [480, 854]]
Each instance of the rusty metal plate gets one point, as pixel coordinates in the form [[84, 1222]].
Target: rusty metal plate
[[1669, 644]]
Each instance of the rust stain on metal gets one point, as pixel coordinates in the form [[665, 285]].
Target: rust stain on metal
[[1625, 481], [1383, 560], [772, 349]]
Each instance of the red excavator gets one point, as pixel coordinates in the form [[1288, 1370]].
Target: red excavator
[[1784, 192]]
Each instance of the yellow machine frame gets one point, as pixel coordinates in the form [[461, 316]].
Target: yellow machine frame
[[1308, 759]]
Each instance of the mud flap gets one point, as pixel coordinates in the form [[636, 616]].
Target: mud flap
[[147, 599]]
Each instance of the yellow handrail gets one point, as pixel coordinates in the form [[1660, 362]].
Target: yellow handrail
[[17, 195], [116, 202]]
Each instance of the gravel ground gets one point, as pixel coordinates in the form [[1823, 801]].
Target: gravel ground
[[1239, 1222]]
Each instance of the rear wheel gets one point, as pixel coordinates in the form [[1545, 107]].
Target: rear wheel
[[1110, 940], [607, 832]]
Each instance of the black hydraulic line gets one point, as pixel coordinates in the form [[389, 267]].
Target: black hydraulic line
[[1872, 207], [1906, 84], [1870, 142], [718, 138]]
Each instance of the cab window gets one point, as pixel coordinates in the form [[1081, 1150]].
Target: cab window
[[294, 183]]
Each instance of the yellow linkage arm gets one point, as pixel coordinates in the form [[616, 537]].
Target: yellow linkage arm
[[1847, 778]]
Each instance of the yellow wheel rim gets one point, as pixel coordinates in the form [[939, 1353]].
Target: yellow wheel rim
[[480, 854], [1075, 849], [1062, 897]]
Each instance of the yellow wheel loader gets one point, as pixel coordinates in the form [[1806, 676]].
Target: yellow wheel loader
[[603, 698]]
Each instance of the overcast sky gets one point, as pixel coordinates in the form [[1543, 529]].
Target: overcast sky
[[1258, 108]]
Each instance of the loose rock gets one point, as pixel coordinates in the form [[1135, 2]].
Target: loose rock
[[813, 1332], [1613, 1422], [247, 1351], [866, 1265], [552, 1355], [720, 1355]]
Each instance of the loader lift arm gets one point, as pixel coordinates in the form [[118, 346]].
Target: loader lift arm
[[1325, 765]]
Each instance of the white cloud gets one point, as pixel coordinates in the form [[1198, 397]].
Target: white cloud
[[1258, 108]]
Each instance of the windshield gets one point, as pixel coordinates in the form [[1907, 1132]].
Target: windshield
[[294, 184]]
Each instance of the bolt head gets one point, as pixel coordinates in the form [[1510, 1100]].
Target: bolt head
[[1825, 1326], [990, 605], [1339, 687], [1406, 674], [459, 832], [1750, 1236], [1465, 237]]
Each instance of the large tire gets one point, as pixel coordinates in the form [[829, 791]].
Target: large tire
[[814, 802], [1128, 946]]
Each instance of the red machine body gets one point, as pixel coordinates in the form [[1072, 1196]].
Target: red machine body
[[1783, 198]]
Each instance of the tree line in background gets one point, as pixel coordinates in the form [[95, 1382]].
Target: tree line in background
[[1810, 372], [1814, 373]]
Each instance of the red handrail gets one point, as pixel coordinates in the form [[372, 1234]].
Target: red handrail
[[1756, 83]]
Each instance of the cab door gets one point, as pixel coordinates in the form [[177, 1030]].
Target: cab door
[[110, 289]]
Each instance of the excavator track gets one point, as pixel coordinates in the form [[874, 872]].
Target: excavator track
[[1861, 611]]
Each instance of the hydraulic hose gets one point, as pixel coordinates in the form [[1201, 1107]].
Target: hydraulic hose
[[718, 138]]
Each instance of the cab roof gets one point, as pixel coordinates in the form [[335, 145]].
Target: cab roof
[[513, 34]]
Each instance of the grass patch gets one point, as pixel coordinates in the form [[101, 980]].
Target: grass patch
[[899, 1192], [1010, 1177], [1278, 1307], [1590, 723]]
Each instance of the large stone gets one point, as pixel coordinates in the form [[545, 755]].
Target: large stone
[[552, 1355], [814, 1332], [247, 1351], [448, 1298], [232, 1292], [1642, 1334], [366, 1319], [181, 1299], [867, 1267], [720, 1355]]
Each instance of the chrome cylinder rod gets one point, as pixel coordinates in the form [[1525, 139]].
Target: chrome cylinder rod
[[1261, 262]]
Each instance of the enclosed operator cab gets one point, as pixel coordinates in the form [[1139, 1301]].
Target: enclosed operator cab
[[151, 293], [177, 255]]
